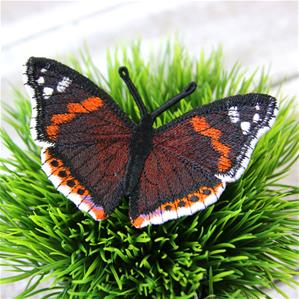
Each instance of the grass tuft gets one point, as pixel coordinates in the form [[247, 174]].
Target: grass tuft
[[235, 248]]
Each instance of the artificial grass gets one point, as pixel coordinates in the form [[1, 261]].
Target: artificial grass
[[233, 249]]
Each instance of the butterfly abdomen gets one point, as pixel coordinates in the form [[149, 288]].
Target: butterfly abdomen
[[140, 147]]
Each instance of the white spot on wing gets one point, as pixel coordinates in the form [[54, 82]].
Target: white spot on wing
[[257, 106], [47, 92], [245, 126], [235, 173], [256, 117], [63, 84], [33, 122], [43, 70], [234, 114], [40, 80]]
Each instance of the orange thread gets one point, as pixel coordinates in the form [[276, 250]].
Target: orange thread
[[86, 106], [99, 213], [138, 221], [202, 127], [58, 119], [92, 104], [52, 131]]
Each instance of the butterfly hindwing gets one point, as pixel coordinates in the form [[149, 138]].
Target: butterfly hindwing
[[171, 186], [84, 134], [194, 156]]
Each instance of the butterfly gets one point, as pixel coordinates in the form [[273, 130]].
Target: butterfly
[[96, 155]]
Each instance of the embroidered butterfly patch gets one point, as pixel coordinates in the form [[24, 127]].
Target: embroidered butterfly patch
[[95, 154]]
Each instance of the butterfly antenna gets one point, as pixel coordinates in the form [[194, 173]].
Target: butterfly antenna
[[187, 91], [124, 74]]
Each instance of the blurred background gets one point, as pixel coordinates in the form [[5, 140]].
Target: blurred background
[[256, 34]]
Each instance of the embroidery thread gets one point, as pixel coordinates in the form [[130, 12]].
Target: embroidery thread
[[95, 154]]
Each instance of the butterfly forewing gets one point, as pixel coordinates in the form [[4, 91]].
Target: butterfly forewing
[[84, 134]]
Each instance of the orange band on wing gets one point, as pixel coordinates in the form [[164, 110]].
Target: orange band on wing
[[58, 119], [91, 104], [202, 127], [86, 106]]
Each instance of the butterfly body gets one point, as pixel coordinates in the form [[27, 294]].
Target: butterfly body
[[140, 147], [96, 155]]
